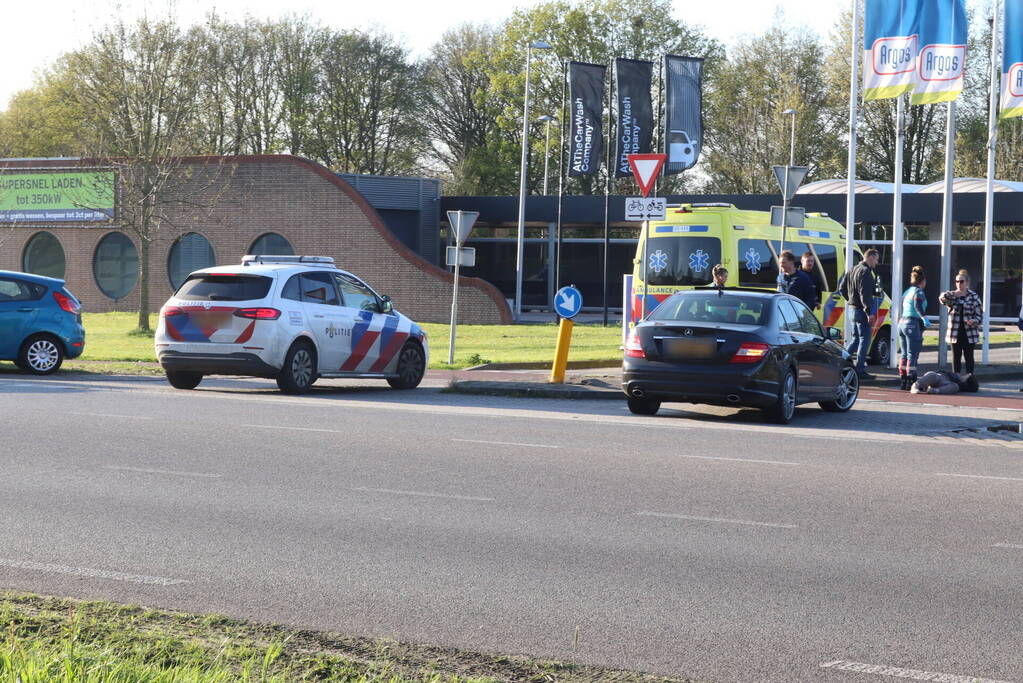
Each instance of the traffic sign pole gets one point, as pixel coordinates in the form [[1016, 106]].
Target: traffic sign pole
[[461, 223]]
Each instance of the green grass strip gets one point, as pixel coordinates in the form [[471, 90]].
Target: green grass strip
[[57, 640]]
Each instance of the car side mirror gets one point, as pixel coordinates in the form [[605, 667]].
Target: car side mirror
[[833, 333], [385, 304]]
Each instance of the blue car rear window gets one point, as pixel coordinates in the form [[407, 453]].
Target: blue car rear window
[[691, 307], [224, 288]]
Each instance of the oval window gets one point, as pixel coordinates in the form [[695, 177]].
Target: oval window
[[116, 265], [271, 243], [190, 252], [44, 256]]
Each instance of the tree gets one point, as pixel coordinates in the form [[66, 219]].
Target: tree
[[137, 88], [368, 115], [746, 130]]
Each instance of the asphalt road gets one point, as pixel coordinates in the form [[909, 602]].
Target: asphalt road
[[701, 542]]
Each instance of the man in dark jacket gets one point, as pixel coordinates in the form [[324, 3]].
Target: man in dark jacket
[[861, 285], [797, 282]]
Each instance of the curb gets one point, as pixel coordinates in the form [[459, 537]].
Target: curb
[[533, 390]]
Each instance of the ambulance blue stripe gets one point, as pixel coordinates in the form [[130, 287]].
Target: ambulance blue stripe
[[682, 228]]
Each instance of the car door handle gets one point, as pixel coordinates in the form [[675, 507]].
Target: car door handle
[[317, 315], [25, 310]]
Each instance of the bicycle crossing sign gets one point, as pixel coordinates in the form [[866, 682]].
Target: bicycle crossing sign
[[645, 208]]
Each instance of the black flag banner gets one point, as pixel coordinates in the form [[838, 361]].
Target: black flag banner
[[635, 127], [586, 136], [683, 112]]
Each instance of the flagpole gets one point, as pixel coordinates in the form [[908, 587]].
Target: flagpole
[[561, 176], [607, 189], [850, 201], [897, 237], [946, 228], [989, 190]]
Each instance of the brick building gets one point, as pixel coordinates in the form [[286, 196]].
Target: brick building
[[256, 204]]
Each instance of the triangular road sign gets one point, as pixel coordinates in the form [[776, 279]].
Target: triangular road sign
[[646, 168], [796, 175]]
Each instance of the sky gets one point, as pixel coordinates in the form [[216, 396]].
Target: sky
[[34, 36]]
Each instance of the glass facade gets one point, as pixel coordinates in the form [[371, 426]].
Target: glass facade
[[116, 265], [189, 253], [44, 256]]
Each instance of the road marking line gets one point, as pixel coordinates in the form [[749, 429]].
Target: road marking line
[[91, 573], [897, 672], [713, 457], [717, 519], [977, 476], [423, 494], [152, 471], [297, 429], [506, 443], [1015, 546], [130, 417]]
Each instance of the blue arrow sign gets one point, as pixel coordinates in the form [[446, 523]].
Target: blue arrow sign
[[568, 302]]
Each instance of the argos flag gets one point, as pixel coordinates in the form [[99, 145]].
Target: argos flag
[[635, 114], [586, 131], [942, 59], [891, 43], [1012, 61]]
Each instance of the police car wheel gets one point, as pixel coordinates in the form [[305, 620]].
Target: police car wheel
[[299, 370], [411, 367], [180, 379]]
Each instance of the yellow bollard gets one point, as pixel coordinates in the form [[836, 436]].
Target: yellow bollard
[[561, 351]]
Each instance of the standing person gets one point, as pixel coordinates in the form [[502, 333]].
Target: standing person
[[797, 282], [911, 327], [809, 266], [860, 286], [964, 321], [720, 274]]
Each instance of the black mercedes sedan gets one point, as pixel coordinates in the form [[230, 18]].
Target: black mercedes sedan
[[736, 347]]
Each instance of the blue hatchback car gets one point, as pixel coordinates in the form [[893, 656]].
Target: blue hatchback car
[[40, 322]]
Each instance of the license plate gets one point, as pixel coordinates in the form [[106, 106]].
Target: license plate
[[211, 319], [686, 349]]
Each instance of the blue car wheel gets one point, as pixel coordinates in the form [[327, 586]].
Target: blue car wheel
[[41, 355]]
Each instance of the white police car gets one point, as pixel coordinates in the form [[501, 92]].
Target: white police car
[[290, 318]]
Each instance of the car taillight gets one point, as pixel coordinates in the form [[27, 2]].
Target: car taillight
[[169, 311], [633, 347], [258, 313], [67, 303], [750, 352]]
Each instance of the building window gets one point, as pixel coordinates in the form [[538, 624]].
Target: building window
[[190, 252], [271, 243], [44, 256], [116, 265]]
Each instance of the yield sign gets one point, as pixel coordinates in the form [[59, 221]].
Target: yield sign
[[646, 167], [793, 175]]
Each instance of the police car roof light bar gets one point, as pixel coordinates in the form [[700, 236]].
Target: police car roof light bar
[[249, 259]]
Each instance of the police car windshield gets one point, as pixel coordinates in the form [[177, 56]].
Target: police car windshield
[[224, 288], [713, 307], [681, 259]]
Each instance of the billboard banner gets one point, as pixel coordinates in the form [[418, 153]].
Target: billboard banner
[[635, 129], [942, 59], [56, 197], [683, 112], [586, 132], [1012, 61], [891, 44]]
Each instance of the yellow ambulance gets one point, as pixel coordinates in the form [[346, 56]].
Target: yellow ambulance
[[679, 253]]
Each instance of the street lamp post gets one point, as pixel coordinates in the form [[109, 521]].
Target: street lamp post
[[785, 196], [547, 119], [538, 45]]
